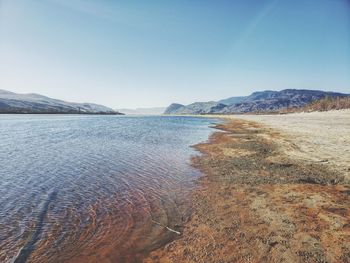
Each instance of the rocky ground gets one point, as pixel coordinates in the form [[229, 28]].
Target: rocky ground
[[262, 202]]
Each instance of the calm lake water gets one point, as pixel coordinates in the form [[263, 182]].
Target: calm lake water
[[93, 188]]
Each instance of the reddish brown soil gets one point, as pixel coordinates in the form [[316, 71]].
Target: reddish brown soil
[[255, 204]]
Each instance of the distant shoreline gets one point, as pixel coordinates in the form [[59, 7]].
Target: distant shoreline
[[62, 113]]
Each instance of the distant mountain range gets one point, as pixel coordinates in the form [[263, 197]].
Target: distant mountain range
[[11, 102], [261, 101], [143, 111]]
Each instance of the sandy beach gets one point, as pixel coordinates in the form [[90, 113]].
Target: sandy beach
[[275, 189], [313, 137]]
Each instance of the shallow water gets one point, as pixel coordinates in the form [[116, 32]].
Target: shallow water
[[90, 188]]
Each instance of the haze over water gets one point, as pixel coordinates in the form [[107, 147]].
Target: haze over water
[[87, 188]]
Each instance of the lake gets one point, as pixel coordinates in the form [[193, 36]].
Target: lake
[[78, 188]]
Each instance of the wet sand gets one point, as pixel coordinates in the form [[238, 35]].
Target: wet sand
[[276, 189]]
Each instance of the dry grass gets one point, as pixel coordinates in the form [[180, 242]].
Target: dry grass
[[325, 104], [264, 208]]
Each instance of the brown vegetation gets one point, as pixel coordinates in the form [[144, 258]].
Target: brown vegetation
[[326, 104], [256, 204]]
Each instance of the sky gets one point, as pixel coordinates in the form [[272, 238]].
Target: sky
[[129, 54]]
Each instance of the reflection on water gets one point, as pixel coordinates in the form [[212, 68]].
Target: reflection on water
[[88, 188]]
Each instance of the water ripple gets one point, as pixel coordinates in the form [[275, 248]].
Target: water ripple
[[88, 188]]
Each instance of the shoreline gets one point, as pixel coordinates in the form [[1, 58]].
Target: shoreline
[[260, 202], [61, 113], [312, 137]]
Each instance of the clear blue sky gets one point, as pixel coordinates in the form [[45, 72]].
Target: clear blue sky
[[151, 53]]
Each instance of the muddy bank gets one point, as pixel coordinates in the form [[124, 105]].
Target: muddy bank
[[257, 204]]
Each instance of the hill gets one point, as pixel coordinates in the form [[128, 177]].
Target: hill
[[326, 104], [261, 101], [11, 102]]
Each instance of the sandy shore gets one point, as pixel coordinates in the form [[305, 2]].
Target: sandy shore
[[314, 137], [276, 190]]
